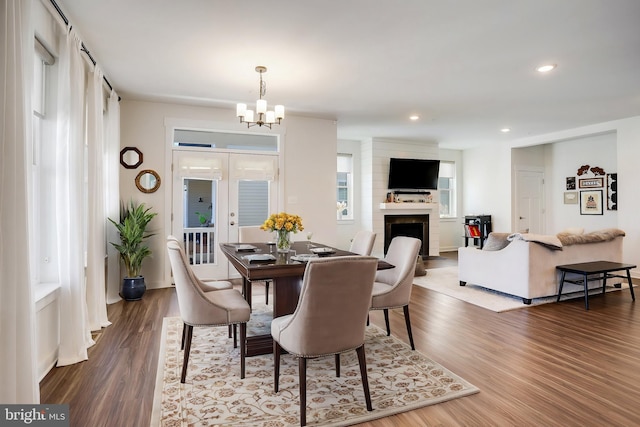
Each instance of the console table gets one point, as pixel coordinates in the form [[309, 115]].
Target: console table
[[604, 268]]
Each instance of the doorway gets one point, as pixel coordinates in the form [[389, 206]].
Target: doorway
[[529, 209], [214, 193]]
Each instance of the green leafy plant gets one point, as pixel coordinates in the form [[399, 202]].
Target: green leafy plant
[[134, 219], [202, 218]]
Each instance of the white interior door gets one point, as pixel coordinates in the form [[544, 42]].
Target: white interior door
[[214, 193], [529, 201]]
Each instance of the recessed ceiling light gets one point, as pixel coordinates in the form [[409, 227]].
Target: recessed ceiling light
[[414, 117], [546, 68], [505, 130]]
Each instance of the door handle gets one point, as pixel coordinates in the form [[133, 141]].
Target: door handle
[[232, 223], [522, 217]]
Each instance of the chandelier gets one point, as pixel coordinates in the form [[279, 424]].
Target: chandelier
[[264, 117]]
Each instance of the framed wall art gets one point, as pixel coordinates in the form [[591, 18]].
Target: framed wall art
[[571, 198], [591, 182], [612, 191], [591, 202], [571, 183]]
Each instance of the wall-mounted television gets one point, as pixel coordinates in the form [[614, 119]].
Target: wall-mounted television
[[413, 174]]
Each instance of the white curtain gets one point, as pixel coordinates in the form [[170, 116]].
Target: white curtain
[[75, 334], [112, 147], [18, 371], [96, 218]]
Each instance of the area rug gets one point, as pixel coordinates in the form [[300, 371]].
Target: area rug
[[445, 281], [214, 395]]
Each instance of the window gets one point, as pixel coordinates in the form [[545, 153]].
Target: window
[[345, 187], [447, 189]]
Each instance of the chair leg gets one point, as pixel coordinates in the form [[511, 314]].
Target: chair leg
[[276, 366], [184, 333], [235, 335], [367, 320], [266, 292], [386, 321], [407, 320], [337, 365], [243, 341], [362, 360], [302, 379], [230, 331], [187, 349]]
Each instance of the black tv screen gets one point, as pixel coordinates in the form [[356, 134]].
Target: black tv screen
[[413, 174]]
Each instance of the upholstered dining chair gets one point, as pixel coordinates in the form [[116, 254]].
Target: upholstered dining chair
[[392, 287], [198, 308], [329, 319], [254, 234], [205, 285], [362, 243]]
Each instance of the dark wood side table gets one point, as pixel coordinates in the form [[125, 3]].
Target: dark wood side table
[[602, 268]]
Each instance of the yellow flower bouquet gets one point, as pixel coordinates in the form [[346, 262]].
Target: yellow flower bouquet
[[283, 224]]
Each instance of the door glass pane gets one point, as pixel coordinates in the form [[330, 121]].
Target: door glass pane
[[199, 209], [253, 202]]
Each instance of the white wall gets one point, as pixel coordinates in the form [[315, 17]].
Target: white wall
[[487, 184], [309, 173], [563, 160]]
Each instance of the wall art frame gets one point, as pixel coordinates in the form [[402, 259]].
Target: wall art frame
[[591, 182], [612, 191], [591, 202], [571, 198]]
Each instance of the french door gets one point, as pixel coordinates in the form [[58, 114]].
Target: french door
[[214, 193]]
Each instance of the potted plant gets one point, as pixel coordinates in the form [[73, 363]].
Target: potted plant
[[134, 219], [203, 219]]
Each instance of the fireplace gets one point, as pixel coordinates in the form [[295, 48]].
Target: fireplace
[[407, 225]]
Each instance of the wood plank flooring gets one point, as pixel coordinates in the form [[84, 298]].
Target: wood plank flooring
[[550, 365]]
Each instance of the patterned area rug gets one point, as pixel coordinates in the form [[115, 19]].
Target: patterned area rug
[[445, 281], [214, 395]]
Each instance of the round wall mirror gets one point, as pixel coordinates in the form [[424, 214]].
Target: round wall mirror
[[130, 157], [148, 181]]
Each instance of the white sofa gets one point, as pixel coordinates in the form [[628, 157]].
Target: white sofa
[[527, 268]]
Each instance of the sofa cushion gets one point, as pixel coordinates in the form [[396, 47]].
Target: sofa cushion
[[496, 241]]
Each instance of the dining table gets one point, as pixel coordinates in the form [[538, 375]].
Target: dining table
[[261, 261]]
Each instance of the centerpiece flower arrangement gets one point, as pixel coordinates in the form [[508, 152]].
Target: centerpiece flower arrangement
[[283, 224]]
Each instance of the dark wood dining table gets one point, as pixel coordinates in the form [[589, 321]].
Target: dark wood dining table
[[286, 275]]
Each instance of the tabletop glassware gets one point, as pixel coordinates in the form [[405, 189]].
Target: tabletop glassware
[[309, 236]]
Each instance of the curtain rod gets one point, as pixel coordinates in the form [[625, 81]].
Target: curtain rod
[[83, 47]]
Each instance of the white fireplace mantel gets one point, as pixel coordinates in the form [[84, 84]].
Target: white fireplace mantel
[[412, 206]]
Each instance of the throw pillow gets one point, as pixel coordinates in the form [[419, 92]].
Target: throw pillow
[[496, 241]]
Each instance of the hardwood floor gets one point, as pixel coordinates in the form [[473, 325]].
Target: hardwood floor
[[550, 365]]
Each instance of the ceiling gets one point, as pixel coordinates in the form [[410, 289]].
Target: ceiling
[[466, 67]]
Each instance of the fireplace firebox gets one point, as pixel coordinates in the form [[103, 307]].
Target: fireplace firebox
[[407, 225]]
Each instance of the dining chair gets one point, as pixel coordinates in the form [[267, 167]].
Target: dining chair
[[362, 243], [254, 234], [392, 287], [206, 286], [198, 308], [329, 319]]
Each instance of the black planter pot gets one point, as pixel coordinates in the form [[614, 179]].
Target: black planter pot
[[132, 288]]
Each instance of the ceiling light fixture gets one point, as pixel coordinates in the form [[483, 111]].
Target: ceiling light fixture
[[265, 118], [505, 130], [546, 68], [414, 117]]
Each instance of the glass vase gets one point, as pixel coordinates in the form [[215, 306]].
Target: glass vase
[[283, 242]]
